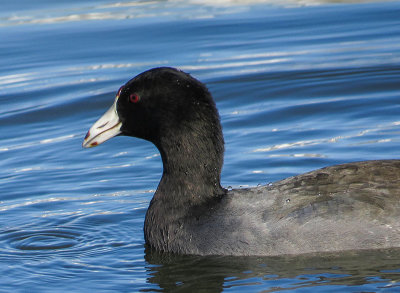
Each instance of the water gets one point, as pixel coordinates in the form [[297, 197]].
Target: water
[[300, 85]]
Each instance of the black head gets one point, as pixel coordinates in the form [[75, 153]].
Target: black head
[[167, 107], [162, 102]]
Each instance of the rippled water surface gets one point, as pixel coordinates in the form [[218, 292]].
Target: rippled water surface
[[299, 85]]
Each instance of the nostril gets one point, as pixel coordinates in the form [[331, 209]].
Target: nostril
[[101, 126], [87, 134]]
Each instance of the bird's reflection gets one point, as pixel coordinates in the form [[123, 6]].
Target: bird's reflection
[[179, 273]]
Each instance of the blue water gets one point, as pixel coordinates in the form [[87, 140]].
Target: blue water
[[299, 85]]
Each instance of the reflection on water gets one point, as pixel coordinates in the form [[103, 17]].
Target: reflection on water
[[348, 271]]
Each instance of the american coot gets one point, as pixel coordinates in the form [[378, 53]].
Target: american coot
[[344, 207]]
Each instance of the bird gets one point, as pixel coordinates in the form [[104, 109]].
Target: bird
[[351, 206]]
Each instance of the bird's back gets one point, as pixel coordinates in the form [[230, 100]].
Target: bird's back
[[343, 207]]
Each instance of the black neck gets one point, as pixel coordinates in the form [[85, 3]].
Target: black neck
[[189, 187], [191, 169]]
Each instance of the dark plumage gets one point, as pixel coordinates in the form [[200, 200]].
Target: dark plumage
[[344, 207]]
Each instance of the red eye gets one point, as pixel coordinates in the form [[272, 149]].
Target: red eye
[[134, 98]]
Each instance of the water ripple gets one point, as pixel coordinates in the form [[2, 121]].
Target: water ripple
[[193, 9], [42, 239]]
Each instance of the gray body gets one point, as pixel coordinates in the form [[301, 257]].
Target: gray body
[[345, 207]]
